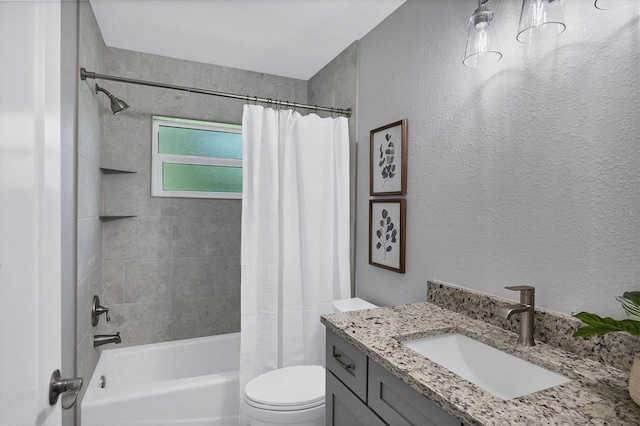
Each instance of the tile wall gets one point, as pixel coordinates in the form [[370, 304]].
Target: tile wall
[[89, 234], [173, 271]]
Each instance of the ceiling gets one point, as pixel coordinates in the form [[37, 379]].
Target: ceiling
[[291, 38]]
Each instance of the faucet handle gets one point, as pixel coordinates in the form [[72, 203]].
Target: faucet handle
[[526, 289], [527, 294], [97, 310]]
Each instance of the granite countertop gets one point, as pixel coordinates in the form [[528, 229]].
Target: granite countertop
[[596, 395]]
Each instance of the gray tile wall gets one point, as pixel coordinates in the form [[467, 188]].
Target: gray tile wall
[[336, 85], [89, 232], [172, 272]]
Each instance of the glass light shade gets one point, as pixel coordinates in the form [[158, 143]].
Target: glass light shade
[[540, 20], [613, 4], [482, 43]]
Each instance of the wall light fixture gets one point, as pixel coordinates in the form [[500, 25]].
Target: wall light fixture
[[613, 4], [482, 43], [540, 20]]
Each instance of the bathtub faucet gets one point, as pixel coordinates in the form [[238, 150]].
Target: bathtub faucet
[[103, 339]]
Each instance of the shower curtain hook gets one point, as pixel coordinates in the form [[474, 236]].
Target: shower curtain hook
[[255, 100]]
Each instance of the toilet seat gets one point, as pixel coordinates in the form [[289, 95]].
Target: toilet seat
[[287, 389]]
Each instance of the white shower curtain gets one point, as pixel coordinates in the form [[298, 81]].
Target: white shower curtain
[[295, 235]]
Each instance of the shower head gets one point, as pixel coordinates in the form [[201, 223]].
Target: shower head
[[117, 105]]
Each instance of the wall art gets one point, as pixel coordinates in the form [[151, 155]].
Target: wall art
[[387, 233], [388, 159]]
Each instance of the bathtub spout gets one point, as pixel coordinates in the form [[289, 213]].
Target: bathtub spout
[[103, 339]]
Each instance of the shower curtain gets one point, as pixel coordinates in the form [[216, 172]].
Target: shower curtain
[[295, 235]]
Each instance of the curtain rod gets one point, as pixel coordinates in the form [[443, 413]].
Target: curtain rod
[[84, 74]]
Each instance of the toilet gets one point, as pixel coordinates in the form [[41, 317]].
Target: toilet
[[292, 395]]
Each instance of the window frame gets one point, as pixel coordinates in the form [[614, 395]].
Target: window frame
[[158, 159]]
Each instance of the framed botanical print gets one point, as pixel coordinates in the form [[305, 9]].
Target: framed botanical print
[[388, 159], [387, 229]]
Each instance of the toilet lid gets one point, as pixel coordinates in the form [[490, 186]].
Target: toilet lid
[[301, 385]]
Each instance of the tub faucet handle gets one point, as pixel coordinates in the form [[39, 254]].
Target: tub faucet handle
[[97, 310]]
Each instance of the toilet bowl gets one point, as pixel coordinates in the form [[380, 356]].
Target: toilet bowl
[[287, 396], [292, 395]]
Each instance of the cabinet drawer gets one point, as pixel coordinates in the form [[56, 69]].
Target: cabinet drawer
[[344, 409], [397, 404], [348, 364]]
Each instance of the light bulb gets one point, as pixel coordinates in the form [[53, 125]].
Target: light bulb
[[481, 38]]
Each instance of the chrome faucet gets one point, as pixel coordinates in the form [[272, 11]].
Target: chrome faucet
[[103, 339], [526, 309]]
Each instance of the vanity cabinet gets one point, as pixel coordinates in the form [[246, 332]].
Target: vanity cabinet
[[361, 392], [344, 408]]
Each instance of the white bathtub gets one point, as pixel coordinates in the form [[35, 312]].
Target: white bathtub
[[184, 382]]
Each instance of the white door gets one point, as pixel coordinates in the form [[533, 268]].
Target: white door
[[30, 317]]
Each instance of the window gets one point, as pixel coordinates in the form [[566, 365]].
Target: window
[[196, 159]]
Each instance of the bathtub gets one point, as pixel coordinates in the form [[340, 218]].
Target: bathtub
[[184, 382]]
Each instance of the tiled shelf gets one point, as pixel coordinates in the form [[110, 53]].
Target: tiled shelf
[[114, 217], [107, 171]]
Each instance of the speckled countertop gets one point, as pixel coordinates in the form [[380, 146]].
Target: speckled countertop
[[596, 395]]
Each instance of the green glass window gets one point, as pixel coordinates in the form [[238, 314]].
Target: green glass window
[[196, 159], [198, 142], [196, 177]]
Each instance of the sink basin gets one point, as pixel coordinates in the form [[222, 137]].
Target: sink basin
[[495, 371]]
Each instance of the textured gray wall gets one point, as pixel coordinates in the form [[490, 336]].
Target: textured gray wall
[[525, 172], [336, 85], [89, 237], [172, 272]]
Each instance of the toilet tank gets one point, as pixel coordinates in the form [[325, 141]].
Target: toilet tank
[[352, 304]]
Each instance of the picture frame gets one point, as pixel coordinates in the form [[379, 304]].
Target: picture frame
[[388, 159], [387, 234]]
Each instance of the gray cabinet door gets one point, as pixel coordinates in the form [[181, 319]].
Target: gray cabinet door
[[397, 404], [344, 408], [348, 364]]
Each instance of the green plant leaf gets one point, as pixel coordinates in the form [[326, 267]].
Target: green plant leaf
[[599, 325], [630, 306], [634, 296]]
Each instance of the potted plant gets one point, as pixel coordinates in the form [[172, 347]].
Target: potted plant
[[596, 325]]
